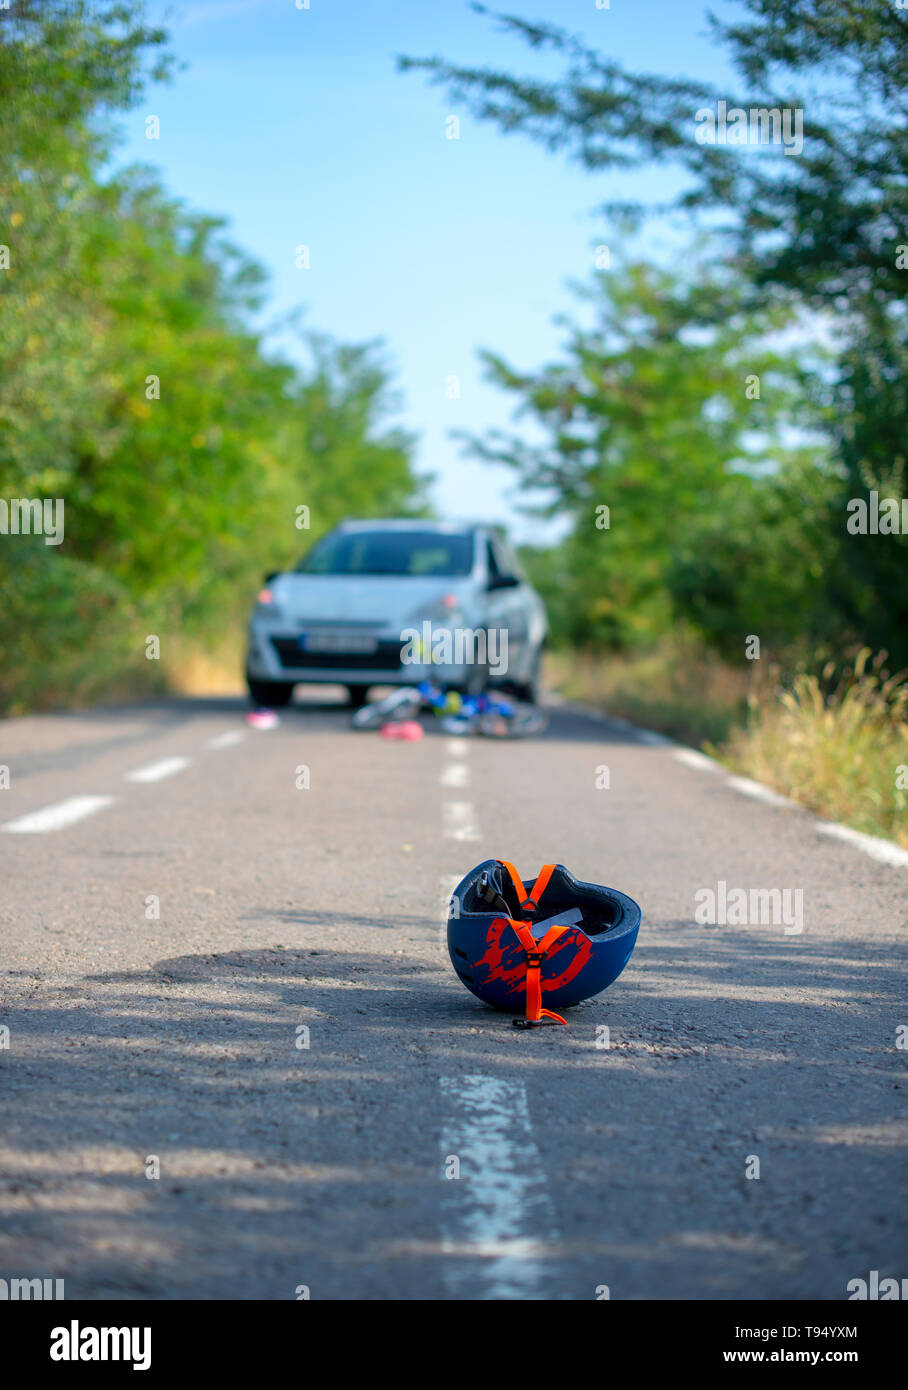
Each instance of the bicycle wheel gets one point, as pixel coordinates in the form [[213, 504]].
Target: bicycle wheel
[[516, 720], [400, 704]]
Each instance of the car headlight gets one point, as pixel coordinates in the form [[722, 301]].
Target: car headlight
[[444, 612], [266, 604], [432, 632]]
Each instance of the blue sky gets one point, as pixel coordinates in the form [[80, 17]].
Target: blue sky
[[296, 126]]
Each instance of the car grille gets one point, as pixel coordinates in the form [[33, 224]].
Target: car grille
[[386, 657], [355, 624]]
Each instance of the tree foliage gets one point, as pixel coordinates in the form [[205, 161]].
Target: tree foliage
[[675, 415], [131, 384], [823, 228]]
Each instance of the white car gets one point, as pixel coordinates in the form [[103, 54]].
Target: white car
[[394, 603]]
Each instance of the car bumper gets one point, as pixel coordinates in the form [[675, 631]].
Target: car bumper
[[276, 656]]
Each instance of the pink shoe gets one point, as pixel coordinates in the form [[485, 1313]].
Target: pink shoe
[[262, 719], [407, 729]]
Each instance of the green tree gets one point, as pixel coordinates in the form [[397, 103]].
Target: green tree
[[653, 414], [133, 387], [822, 225]]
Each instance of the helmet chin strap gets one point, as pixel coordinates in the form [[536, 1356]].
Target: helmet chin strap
[[534, 950]]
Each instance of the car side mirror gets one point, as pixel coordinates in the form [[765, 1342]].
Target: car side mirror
[[502, 581]]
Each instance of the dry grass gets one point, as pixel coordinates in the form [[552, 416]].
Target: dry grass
[[842, 751], [192, 669], [677, 688]]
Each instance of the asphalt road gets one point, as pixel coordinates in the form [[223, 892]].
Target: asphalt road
[[176, 1043]]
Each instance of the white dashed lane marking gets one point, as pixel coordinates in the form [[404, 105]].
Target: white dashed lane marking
[[227, 740], [56, 817], [498, 1219], [455, 775], [459, 821], [156, 772]]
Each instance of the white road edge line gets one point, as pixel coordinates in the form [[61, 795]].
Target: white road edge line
[[62, 813], [758, 792], [691, 758], [498, 1219], [226, 740], [883, 850], [156, 772]]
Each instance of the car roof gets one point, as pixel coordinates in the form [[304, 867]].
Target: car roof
[[408, 524]]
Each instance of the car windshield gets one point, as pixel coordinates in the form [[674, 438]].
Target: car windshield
[[408, 553]]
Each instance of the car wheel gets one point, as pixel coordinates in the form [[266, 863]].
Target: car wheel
[[531, 689], [477, 682], [269, 693], [357, 695]]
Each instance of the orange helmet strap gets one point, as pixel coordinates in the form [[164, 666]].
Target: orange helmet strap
[[535, 952], [529, 905], [533, 949]]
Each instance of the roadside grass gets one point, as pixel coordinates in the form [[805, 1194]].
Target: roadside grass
[[677, 688], [841, 750], [72, 637], [835, 743], [69, 635], [193, 668]]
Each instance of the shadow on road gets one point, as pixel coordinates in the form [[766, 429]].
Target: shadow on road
[[282, 1164]]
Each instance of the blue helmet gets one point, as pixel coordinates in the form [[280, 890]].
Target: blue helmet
[[511, 942]]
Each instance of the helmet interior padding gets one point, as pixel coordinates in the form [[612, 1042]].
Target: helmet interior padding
[[493, 890]]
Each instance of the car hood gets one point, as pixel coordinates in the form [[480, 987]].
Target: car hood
[[389, 600]]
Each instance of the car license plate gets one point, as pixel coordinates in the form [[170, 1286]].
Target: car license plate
[[339, 643]]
